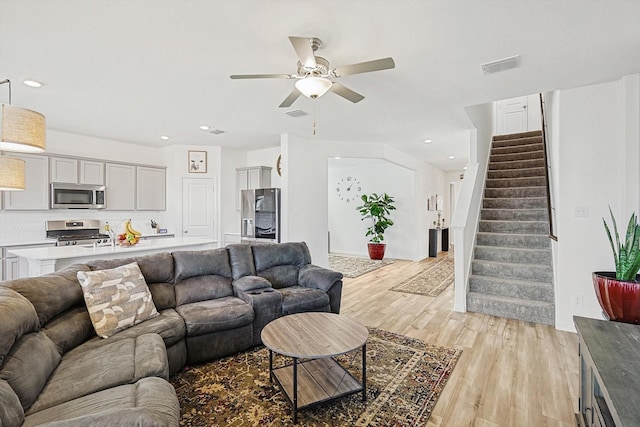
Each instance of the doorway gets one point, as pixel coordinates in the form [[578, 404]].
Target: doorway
[[198, 207]]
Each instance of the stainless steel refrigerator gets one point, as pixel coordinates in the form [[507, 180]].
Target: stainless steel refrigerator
[[260, 215]]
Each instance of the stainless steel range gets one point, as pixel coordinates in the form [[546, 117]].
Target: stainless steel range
[[76, 232]]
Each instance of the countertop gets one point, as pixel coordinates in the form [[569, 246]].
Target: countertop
[[65, 252], [4, 244]]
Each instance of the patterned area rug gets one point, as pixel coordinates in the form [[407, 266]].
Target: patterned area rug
[[351, 266], [405, 377], [430, 282]]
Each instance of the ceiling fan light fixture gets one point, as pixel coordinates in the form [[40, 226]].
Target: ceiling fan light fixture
[[313, 87]]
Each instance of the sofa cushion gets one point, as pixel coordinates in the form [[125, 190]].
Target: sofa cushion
[[215, 315], [201, 288], [116, 299], [156, 268], [241, 259], [70, 329], [51, 294], [11, 412], [298, 299], [201, 263], [17, 318], [29, 365], [148, 402], [169, 325], [88, 369], [281, 276], [250, 283], [292, 253]]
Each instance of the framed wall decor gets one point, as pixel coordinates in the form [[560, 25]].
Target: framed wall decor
[[197, 161]]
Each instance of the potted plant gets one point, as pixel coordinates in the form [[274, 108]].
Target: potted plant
[[377, 207], [619, 293]]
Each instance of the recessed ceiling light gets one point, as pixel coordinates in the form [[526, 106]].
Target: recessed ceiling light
[[452, 157], [205, 127], [32, 83], [428, 141], [164, 137], [465, 168]]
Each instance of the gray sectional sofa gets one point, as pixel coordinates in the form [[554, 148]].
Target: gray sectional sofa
[[55, 370]]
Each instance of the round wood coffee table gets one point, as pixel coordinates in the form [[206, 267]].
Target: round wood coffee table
[[316, 338]]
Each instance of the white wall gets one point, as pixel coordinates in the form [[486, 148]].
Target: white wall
[[267, 157], [346, 228], [598, 167]]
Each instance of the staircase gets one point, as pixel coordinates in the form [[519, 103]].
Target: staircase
[[512, 273]]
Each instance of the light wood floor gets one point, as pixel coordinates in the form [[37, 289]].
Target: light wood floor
[[511, 373]]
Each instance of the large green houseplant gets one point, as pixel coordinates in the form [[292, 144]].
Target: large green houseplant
[[619, 293], [377, 208]]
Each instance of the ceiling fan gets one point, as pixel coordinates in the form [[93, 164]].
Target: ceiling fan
[[312, 75]]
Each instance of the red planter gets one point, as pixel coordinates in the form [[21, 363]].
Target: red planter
[[376, 250], [620, 300]]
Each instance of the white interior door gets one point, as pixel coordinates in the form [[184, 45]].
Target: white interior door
[[513, 115], [198, 207]]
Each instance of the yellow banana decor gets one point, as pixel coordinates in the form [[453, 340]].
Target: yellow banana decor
[[131, 235]]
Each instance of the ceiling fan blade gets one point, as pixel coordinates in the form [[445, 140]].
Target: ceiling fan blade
[[302, 46], [346, 93], [295, 93], [365, 67], [261, 76]]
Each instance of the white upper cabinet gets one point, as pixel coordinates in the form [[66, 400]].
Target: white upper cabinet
[[36, 194], [91, 172], [121, 187], [64, 169], [150, 189]]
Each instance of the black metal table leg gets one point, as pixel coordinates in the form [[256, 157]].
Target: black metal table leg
[[295, 390], [271, 365], [364, 372]]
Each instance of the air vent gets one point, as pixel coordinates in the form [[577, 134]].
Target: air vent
[[501, 65], [296, 113], [216, 131]]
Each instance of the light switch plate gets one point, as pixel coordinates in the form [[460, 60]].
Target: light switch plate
[[581, 211]]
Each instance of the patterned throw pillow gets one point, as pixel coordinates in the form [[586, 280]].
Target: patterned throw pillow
[[116, 299]]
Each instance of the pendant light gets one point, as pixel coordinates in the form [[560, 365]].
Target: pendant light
[[21, 129]]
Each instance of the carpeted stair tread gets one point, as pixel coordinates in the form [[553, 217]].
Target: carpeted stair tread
[[515, 173], [516, 141], [516, 182], [510, 157], [517, 164], [519, 135], [513, 227], [537, 241], [521, 148], [541, 256], [513, 308], [538, 291], [514, 203], [509, 270], [515, 192], [514, 214]]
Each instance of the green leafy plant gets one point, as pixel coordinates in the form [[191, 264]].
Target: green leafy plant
[[626, 254], [377, 207]]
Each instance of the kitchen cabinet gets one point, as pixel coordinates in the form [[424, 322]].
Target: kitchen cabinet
[[120, 186], [36, 193], [150, 189], [74, 171], [12, 266], [251, 178]]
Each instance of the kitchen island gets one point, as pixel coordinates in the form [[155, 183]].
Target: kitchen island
[[47, 260]]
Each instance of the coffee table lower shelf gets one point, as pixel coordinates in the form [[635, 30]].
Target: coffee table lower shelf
[[318, 381]]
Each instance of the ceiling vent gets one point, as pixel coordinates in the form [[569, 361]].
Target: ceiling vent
[[296, 113], [216, 131], [501, 65]]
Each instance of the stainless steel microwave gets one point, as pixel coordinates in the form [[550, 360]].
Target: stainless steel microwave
[[77, 196]]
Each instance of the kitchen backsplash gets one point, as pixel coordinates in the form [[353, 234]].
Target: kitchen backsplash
[[28, 226]]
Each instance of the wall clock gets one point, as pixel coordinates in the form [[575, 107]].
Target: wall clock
[[349, 189], [279, 165]]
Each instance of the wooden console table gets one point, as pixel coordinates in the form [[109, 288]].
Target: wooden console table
[[433, 240], [609, 373]]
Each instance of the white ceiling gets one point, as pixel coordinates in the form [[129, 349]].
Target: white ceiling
[[134, 70]]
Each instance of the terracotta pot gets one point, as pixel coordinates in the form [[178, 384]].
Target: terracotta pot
[[376, 250], [620, 300]]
